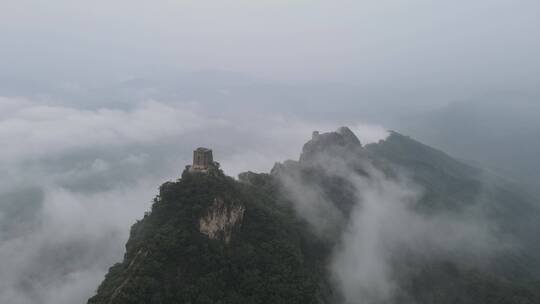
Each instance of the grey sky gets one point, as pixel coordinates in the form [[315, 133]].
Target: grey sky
[[417, 43]]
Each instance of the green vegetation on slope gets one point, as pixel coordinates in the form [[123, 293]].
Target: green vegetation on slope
[[273, 257], [169, 261]]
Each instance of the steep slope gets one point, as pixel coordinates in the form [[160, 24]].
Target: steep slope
[[446, 189], [276, 238], [449, 184], [211, 239]]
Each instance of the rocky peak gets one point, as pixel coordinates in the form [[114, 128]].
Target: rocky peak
[[348, 135], [342, 138]]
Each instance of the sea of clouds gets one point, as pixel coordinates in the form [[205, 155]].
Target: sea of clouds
[[75, 179]]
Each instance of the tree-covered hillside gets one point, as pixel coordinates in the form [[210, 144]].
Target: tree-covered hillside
[[269, 259], [282, 237]]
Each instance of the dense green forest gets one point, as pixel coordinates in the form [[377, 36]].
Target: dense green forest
[[271, 258], [275, 256]]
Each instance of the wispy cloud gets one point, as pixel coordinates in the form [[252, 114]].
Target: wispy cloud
[[384, 224], [74, 180]]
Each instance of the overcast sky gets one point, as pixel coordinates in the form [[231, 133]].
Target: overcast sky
[[415, 43]]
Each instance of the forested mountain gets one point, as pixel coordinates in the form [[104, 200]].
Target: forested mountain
[[391, 222]]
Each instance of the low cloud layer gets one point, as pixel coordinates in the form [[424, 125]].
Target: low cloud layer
[[383, 226], [74, 237], [74, 180], [33, 131]]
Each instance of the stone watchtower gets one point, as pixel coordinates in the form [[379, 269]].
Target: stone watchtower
[[202, 159]]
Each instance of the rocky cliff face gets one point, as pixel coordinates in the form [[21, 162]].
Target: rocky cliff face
[[221, 219]]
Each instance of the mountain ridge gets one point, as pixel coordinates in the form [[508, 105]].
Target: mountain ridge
[[191, 249]]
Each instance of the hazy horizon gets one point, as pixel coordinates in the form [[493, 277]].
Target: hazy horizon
[[102, 101]]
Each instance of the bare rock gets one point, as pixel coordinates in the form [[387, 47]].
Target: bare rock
[[221, 219]]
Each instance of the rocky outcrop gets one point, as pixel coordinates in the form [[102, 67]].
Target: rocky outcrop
[[333, 143], [221, 219], [340, 144]]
